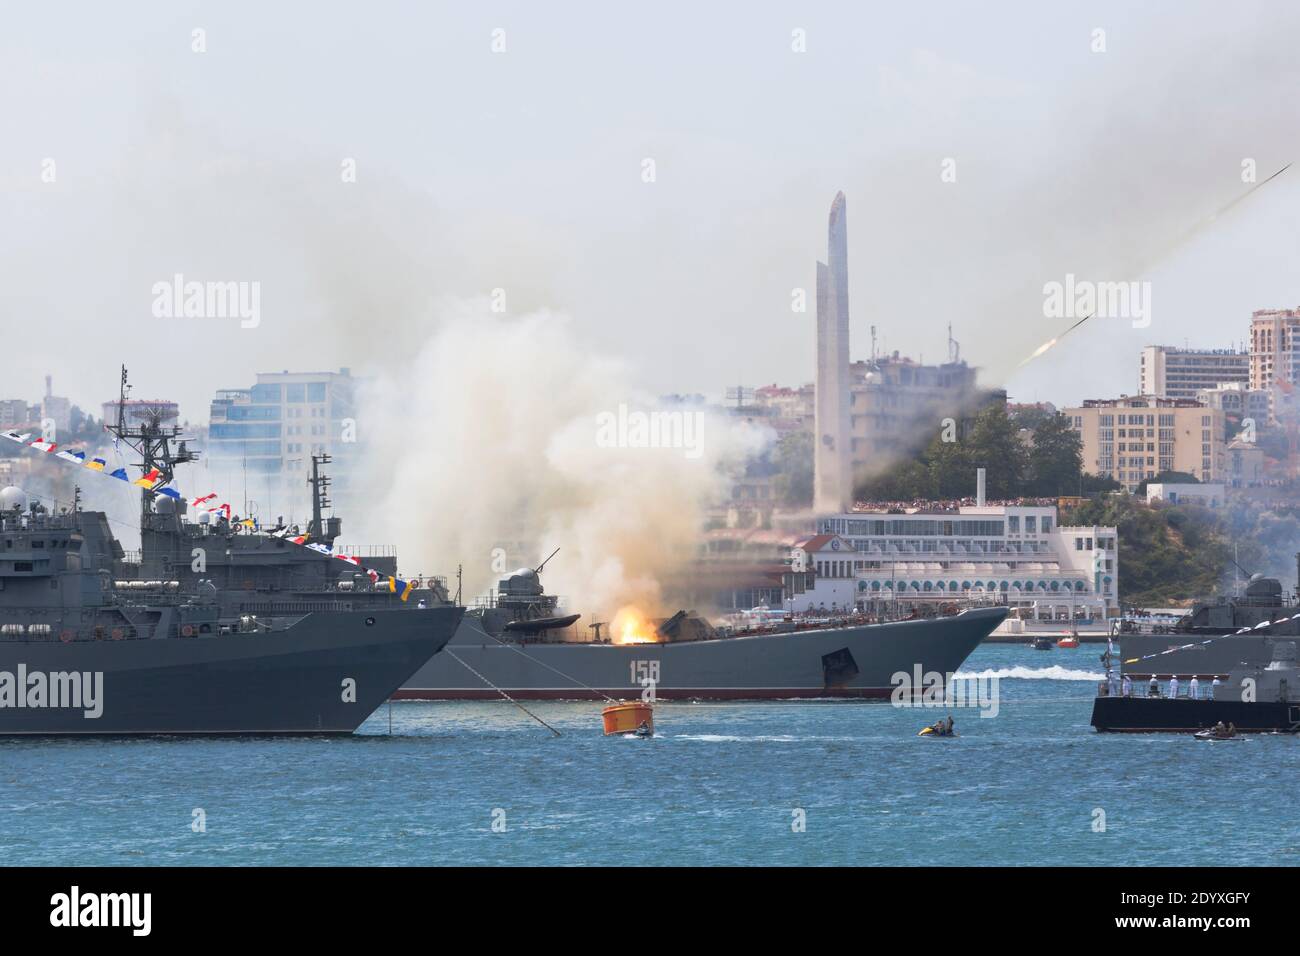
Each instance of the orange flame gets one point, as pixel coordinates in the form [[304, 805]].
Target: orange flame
[[630, 626]]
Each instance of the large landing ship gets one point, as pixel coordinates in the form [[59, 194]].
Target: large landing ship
[[206, 631], [81, 655], [521, 643]]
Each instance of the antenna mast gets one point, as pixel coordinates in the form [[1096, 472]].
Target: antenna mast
[[151, 440], [319, 494]]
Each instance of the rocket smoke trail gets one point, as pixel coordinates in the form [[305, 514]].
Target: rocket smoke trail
[[1179, 243]]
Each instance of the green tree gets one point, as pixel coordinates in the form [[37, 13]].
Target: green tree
[[1056, 458], [994, 444], [793, 458]]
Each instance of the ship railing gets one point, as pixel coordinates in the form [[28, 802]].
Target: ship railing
[[367, 550], [1115, 688], [1138, 627]]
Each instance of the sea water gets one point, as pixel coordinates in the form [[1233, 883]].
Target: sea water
[[782, 782]]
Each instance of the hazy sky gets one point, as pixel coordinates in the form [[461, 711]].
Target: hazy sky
[[523, 170]]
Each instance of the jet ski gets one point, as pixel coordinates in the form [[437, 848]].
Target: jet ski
[[931, 732], [1216, 735]]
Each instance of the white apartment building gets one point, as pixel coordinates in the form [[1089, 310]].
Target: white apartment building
[[1015, 554], [1167, 372]]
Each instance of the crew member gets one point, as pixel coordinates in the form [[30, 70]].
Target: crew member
[[1153, 689], [1193, 688], [1127, 686], [1173, 685]]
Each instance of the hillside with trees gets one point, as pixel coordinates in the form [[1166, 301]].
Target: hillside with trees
[[1050, 464]]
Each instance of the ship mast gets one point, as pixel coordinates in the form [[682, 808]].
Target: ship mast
[[319, 495], [158, 446]]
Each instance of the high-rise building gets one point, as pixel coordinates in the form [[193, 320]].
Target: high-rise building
[[1180, 373], [1135, 438], [261, 439], [1274, 350], [833, 482]]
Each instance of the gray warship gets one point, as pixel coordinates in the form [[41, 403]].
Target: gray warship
[[205, 631], [518, 640], [1215, 637]]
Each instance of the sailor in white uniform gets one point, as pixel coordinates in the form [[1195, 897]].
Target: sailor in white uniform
[[1173, 685], [1193, 688]]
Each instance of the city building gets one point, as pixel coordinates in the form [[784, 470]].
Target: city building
[[261, 439], [1013, 554], [833, 473], [1134, 438], [898, 403], [55, 409], [1245, 467], [1180, 373], [14, 412], [1238, 402], [1179, 493], [1274, 348], [788, 407]]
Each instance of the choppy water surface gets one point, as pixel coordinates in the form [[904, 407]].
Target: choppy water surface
[[721, 783]]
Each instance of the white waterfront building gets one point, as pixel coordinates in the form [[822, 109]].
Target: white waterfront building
[[1013, 554]]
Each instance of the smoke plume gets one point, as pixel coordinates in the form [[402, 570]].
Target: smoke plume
[[490, 453]]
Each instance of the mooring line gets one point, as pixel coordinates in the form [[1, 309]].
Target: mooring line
[[500, 691], [550, 668]]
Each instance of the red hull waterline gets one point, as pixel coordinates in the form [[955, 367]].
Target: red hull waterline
[[661, 693]]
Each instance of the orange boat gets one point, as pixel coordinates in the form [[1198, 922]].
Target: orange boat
[[1070, 640], [634, 718]]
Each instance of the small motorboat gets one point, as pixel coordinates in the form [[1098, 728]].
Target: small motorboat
[[1069, 642], [1041, 644], [629, 719]]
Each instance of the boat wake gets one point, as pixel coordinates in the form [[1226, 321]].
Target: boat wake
[[1055, 672]]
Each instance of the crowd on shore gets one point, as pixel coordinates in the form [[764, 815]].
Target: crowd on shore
[[944, 506]]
